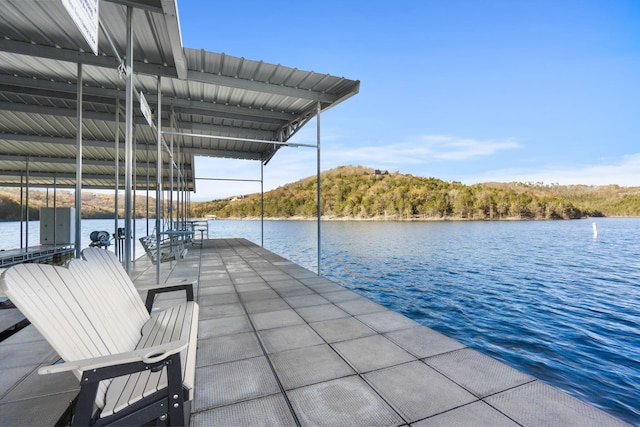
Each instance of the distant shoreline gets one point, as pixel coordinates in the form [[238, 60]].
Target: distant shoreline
[[356, 219], [389, 219]]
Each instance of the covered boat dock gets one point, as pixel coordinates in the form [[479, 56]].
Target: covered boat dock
[[278, 344], [130, 108]]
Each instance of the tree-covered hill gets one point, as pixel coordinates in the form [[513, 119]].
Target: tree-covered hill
[[357, 192], [363, 193], [94, 206]]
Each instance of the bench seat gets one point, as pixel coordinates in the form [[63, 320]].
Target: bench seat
[[170, 250]]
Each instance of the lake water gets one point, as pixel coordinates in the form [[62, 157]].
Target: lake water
[[546, 297], [10, 233]]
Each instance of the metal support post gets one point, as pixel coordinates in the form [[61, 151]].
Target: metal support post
[[134, 191], [55, 205], [171, 184], [158, 176], [318, 186], [147, 185], [26, 236], [21, 211], [128, 140], [79, 164], [116, 162], [262, 202]]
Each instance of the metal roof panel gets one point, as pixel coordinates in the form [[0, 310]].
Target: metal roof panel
[[205, 92]]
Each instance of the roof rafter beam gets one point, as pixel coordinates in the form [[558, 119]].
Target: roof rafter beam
[[65, 161], [148, 5], [46, 93], [110, 117], [43, 139], [208, 152], [232, 115], [57, 140], [214, 109], [232, 82], [62, 87], [63, 90], [87, 58], [64, 179], [230, 138], [57, 111], [254, 133]]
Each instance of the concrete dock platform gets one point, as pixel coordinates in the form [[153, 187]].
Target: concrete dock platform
[[278, 345]]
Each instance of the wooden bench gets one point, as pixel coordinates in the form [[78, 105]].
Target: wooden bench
[[134, 367], [170, 249], [107, 263]]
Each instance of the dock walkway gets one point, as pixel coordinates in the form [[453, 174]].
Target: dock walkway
[[39, 253], [279, 345]]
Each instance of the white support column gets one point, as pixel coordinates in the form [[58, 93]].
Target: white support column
[[147, 186], [262, 203], [171, 184], [26, 236], [116, 165], [22, 211], [318, 189], [134, 177], [78, 242], [158, 176], [128, 141], [55, 201]]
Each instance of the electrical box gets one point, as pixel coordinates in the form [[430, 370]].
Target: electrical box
[[57, 226]]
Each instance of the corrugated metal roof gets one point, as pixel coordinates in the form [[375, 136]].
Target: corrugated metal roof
[[207, 93]]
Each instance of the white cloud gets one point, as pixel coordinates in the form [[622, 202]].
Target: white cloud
[[420, 150], [624, 172], [444, 147]]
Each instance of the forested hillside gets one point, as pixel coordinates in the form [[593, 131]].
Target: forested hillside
[[93, 205], [362, 193], [356, 192]]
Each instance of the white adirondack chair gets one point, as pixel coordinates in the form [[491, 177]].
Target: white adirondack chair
[[134, 367]]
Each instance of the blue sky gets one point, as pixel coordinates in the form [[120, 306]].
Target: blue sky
[[461, 90]]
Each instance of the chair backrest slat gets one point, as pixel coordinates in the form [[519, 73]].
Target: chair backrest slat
[[111, 306], [107, 265]]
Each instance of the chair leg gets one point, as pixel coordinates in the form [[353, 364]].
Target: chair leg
[[84, 406], [175, 392], [67, 415]]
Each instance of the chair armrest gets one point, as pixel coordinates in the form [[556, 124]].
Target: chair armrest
[[152, 354], [160, 286], [152, 290]]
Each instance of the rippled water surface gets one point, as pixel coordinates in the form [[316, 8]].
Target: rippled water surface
[[546, 297]]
